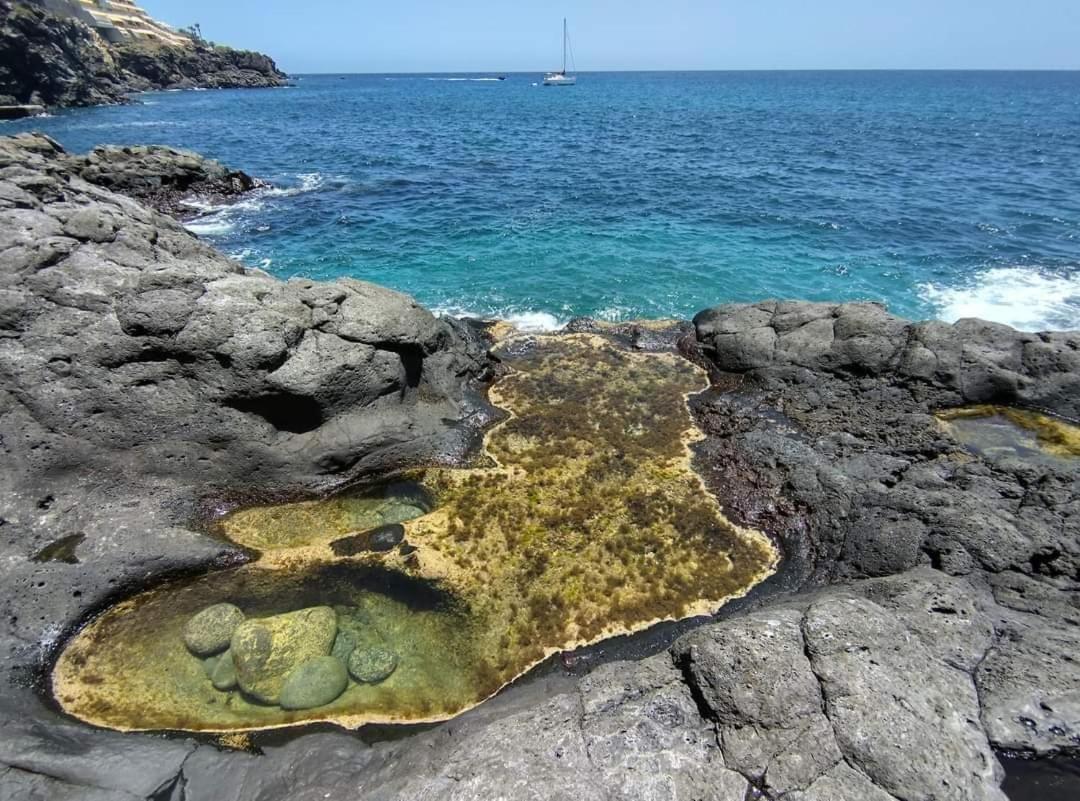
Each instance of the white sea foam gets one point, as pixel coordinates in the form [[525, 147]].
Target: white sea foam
[[213, 225], [306, 182], [534, 321], [1025, 298]]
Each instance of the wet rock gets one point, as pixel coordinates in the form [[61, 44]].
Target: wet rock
[[372, 664], [399, 513], [378, 540], [210, 631], [210, 663], [266, 651], [344, 643], [223, 675], [165, 178], [314, 683]]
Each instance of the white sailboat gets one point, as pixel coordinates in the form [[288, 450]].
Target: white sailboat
[[560, 78]]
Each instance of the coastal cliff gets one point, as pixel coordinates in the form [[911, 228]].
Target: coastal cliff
[[924, 615], [49, 59]]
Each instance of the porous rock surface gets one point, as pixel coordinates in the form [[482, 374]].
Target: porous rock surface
[[926, 612], [172, 181], [142, 372]]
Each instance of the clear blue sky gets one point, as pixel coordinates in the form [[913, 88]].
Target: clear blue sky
[[510, 35]]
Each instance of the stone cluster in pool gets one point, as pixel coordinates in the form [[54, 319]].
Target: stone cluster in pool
[[297, 660]]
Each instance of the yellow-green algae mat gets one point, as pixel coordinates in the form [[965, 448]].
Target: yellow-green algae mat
[[1008, 431], [585, 521]]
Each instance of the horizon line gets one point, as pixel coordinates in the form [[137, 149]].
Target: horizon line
[[700, 70]]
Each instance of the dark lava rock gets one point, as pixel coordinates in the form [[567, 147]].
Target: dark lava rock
[[925, 614], [210, 631], [372, 665], [378, 540], [314, 683], [144, 375], [165, 178], [51, 56], [54, 60], [150, 65]]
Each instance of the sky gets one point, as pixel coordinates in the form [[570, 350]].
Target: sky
[[511, 35]]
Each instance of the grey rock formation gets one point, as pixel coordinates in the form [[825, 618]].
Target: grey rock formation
[[926, 612], [164, 178], [146, 382]]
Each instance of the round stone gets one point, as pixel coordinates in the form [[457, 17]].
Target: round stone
[[210, 631], [399, 513], [267, 650], [371, 665], [343, 644], [314, 683], [223, 676], [384, 538]]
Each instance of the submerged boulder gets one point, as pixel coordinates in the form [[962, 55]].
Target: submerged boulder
[[210, 631], [223, 676], [314, 683], [372, 664], [267, 650]]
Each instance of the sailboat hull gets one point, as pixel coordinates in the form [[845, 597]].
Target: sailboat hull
[[560, 80]]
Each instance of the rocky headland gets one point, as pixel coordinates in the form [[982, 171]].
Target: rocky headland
[[925, 615], [51, 59]]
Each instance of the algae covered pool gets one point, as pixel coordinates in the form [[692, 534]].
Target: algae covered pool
[[1009, 432], [417, 599]]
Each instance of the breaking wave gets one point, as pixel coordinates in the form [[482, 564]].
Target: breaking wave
[[1026, 298]]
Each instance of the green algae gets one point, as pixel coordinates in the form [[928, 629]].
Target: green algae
[[269, 528], [62, 550], [590, 523], [994, 431]]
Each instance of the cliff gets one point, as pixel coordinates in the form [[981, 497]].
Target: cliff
[[55, 60]]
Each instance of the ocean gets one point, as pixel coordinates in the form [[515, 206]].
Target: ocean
[[940, 194]]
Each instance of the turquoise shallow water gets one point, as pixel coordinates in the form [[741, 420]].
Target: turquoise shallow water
[[649, 194]]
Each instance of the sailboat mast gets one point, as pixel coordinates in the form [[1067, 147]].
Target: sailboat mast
[[564, 45]]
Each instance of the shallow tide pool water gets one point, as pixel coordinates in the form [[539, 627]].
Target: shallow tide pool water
[[582, 519]]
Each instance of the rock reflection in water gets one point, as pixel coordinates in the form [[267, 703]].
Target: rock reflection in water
[[586, 521], [1003, 431]]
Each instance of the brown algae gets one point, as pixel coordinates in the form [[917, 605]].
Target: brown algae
[[1007, 431], [589, 523]]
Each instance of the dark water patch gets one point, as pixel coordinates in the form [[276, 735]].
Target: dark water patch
[[1054, 779]]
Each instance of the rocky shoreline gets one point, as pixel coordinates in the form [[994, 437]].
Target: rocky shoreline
[[925, 615], [48, 60]]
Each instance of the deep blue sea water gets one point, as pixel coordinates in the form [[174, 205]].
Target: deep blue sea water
[[942, 194]]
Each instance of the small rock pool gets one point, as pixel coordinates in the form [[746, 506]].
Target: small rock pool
[[996, 432], [417, 599]]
